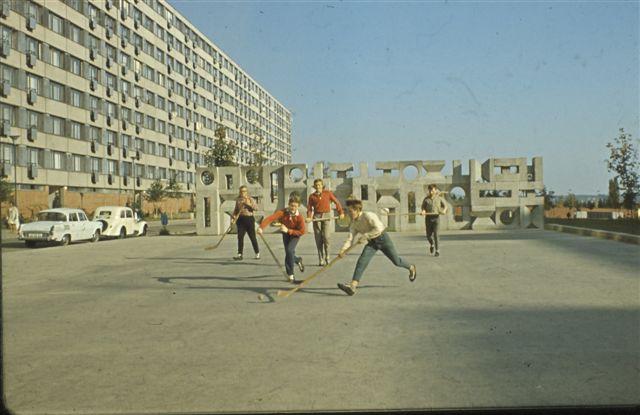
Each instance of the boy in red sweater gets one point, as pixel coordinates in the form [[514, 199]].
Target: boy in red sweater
[[319, 207], [292, 228]]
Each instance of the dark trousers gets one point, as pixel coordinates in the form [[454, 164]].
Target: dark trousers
[[247, 225], [381, 243], [290, 258], [432, 230]]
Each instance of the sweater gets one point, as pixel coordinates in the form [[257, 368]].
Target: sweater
[[293, 221]]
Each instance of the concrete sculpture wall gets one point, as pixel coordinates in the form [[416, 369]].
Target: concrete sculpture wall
[[500, 193]]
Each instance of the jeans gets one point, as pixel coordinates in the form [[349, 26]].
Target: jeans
[[321, 232], [290, 258], [247, 225], [384, 244], [432, 230]]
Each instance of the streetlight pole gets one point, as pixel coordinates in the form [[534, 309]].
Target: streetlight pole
[[14, 138]]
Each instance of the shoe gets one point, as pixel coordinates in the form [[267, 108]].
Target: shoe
[[326, 261], [437, 253], [238, 257], [291, 279], [346, 288], [258, 255], [301, 265], [431, 249], [413, 273], [320, 262]]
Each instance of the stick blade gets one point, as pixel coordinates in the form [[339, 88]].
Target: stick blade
[[283, 293]]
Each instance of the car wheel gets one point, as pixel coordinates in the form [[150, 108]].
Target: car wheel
[[96, 236], [66, 240], [144, 231], [30, 244], [123, 233]]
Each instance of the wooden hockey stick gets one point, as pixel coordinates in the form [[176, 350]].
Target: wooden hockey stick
[[210, 247], [273, 255], [287, 293]]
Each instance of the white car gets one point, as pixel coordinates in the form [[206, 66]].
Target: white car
[[119, 221], [62, 225]]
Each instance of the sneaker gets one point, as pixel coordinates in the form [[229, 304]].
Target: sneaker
[[437, 253], [431, 249], [301, 265], [320, 262], [238, 257], [413, 273], [258, 255], [291, 279], [326, 261], [347, 288]]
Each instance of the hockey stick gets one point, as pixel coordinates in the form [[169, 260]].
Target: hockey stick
[[210, 247], [287, 293], [273, 255]]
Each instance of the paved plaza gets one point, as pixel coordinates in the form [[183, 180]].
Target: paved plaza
[[157, 324]]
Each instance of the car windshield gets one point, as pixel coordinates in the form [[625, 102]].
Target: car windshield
[[104, 214], [52, 217]]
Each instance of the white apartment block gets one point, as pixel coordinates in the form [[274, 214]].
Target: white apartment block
[[106, 96]]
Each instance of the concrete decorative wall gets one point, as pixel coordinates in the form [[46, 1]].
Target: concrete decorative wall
[[500, 193]]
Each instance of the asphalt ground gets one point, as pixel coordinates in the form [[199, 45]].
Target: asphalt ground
[[157, 324]]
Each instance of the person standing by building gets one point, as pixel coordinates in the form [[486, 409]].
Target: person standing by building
[[245, 221], [319, 207], [292, 228], [369, 226], [432, 207], [13, 218]]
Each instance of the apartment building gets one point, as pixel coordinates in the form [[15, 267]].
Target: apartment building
[[102, 97]]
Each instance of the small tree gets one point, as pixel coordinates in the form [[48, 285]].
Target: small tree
[[155, 194], [222, 153], [173, 190], [614, 194], [623, 160], [571, 201], [548, 198], [6, 190]]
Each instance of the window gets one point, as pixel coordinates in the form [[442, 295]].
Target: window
[[95, 164], [125, 113], [150, 122], [94, 134], [33, 46], [73, 217], [56, 57], [111, 166], [57, 125], [126, 141], [162, 127], [33, 119], [56, 23], [75, 66], [125, 60], [57, 160], [75, 98], [82, 216], [75, 130], [76, 163], [110, 137], [75, 33], [94, 103]]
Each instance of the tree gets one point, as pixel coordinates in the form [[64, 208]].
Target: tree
[[548, 198], [222, 153], [571, 201], [155, 194], [614, 194], [623, 160], [173, 190], [6, 190]]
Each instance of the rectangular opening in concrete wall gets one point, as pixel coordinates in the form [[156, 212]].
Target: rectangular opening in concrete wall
[[207, 212], [364, 192], [457, 214], [274, 186], [411, 205], [229, 180], [495, 193], [391, 225]]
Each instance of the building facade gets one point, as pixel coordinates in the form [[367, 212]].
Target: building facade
[[105, 96]]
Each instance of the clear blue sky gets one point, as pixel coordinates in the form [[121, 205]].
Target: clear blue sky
[[377, 81]]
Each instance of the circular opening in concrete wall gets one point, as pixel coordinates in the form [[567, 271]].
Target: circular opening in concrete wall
[[507, 216], [410, 172], [253, 176], [296, 175], [206, 177], [457, 193]]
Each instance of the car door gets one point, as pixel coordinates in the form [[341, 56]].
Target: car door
[[87, 229], [75, 228], [130, 221]]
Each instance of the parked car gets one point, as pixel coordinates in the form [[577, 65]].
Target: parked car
[[119, 221], [62, 225]]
